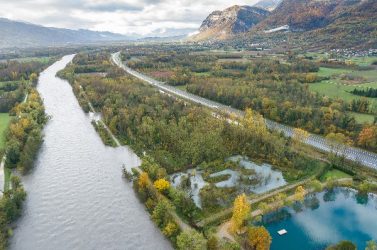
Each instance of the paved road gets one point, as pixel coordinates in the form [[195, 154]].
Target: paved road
[[364, 157]]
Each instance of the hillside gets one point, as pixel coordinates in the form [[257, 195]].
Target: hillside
[[310, 23], [329, 23], [225, 24], [269, 5], [20, 34]]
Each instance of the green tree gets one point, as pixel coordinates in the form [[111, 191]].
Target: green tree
[[191, 240], [371, 245], [343, 245]]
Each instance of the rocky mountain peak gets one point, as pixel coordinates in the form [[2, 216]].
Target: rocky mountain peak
[[233, 20]]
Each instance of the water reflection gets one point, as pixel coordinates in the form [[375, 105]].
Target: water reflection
[[325, 218]]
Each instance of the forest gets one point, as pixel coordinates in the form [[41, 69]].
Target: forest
[[277, 88]]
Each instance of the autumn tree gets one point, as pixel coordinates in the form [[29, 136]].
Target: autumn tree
[[161, 185], [258, 238], [300, 135], [143, 180], [299, 193], [241, 210], [368, 137], [255, 123]]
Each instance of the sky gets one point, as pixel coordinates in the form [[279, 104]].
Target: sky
[[141, 17]]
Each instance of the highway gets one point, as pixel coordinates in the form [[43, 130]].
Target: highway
[[361, 156]]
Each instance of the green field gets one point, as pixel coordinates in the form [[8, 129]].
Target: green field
[[334, 174], [362, 118], [335, 87], [4, 121]]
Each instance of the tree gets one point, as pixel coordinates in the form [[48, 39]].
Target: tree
[[300, 135], [258, 238], [371, 245], [33, 78], [143, 180], [368, 137], [13, 152], [161, 185], [160, 214], [213, 243], [191, 240], [241, 210], [343, 245], [255, 123], [170, 230], [299, 193]]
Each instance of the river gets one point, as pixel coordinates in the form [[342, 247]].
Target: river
[[77, 198]]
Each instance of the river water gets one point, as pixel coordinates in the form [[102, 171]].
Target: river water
[[77, 198]]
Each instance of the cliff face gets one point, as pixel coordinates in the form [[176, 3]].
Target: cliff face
[[232, 21]]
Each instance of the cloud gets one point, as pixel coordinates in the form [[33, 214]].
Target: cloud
[[142, 17]]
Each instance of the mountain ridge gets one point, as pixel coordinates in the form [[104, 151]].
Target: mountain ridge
[[22, 34]]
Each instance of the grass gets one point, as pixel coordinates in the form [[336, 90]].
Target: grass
[[7, 175], [202, 74], [4, 122], [332, 89], [34, 59], [334, 174], [362, 118], [364, 61], [335, 87], [182, 87]]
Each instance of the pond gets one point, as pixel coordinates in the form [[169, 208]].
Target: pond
[[263, 179], [325, 218]]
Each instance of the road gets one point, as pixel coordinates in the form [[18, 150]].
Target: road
[[361, 156]]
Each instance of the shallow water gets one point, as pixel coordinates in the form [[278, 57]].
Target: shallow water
[[325, 218], [268, 178], [77, 198]]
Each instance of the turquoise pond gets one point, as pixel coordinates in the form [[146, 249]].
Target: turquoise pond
[[324, 218]]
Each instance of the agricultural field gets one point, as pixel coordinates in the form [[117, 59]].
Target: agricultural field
[[338, 85], [362, 118]]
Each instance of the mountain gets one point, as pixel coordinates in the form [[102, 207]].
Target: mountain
[[326, 23], [21, 34], [269, 5], [225, 24]]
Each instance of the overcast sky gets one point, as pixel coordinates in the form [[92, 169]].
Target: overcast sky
[[143, 17]]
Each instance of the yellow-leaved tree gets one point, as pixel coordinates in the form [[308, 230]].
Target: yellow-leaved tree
[[299, 193], [255, 123], [161, 185], [241, 209], [143, 180], [300, 135], [258, 238]]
